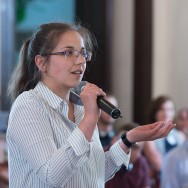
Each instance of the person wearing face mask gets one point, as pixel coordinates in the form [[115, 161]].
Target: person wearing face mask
[[52, 134], [162, 109], [175, 168]]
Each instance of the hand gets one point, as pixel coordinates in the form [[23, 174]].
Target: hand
[[91, 111], [150, 132], [89, 96]]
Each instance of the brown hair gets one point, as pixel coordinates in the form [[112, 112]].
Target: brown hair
[[155, 107], [26, 75]]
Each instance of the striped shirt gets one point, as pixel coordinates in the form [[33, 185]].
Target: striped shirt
[[46, 149]]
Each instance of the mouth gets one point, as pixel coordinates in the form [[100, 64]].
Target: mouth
[[77, 72]]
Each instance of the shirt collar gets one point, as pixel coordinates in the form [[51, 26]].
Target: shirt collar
[[54, 100]]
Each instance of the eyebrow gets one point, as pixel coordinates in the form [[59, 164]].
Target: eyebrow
[[71, 47]]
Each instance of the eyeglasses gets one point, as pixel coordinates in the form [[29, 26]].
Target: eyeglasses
[[71, 55]]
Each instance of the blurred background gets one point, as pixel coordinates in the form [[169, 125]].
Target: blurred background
[[142, 46]]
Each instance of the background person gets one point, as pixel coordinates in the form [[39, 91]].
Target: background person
[[105, 125], [137, 174], [175, 168], [180, 121], [162, 109]]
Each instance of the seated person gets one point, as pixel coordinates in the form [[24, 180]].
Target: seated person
[[175, 169], [137, 175]]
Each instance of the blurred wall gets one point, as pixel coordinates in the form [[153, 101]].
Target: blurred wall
[[170, 50], [170, 53], [122, 57]]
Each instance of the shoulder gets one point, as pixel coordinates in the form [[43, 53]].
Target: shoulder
[[24, 104], [27, 98]]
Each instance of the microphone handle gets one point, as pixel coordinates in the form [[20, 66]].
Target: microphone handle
[[107, 107]]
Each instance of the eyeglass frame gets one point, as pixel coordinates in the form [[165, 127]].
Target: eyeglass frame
[[65, 55]]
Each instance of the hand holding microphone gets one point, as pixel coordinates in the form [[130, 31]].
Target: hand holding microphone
[[101, 102]]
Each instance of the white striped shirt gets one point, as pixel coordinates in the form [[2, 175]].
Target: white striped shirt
[[46, 149]]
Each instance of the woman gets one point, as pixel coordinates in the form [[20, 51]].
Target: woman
[[162, 109], [52, 136], [174, 172]]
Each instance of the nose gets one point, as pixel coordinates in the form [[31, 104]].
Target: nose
[[80, 60]]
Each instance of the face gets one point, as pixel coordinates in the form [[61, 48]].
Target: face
[[62, 73], [166, 112], [182, 120]]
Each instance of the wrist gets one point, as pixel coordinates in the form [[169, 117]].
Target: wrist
[[130, 136], [126, 139], [123, 146], [90, 118]]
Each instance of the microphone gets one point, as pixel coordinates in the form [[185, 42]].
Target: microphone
[[108, 107], [102, 103]]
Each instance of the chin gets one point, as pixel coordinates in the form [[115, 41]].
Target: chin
[[75, 83]]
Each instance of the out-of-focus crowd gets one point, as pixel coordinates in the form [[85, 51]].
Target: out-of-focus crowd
[[162, 163]]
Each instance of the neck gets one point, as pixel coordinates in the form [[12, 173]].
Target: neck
[[62, 92], [71, 112]]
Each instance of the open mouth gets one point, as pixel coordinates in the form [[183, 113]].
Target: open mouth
[[77, 72]]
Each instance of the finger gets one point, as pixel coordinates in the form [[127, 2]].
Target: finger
[[168, 127], [93, 90], [158, 131], [101, 92], [155, 125], [159, 124]]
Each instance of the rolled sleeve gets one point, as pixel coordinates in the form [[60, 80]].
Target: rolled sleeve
[[78, 142], [118, 155]]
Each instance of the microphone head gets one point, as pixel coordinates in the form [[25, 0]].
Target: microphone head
[[116, 113], [78, 89], [75, 93]]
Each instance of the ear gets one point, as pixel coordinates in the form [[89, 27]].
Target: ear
[[41, 63]]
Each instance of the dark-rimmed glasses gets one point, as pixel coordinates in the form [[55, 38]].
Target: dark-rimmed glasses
[[71, 55]]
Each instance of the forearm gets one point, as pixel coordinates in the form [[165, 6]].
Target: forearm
[[88, 125], [64, 162], [61, 167], [114, 159]]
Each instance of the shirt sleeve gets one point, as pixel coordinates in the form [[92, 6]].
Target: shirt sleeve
[[115, 157], [30, 131]]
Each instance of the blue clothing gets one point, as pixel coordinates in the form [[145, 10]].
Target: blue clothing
[[175, 168], [164, 145], [106, 139]]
